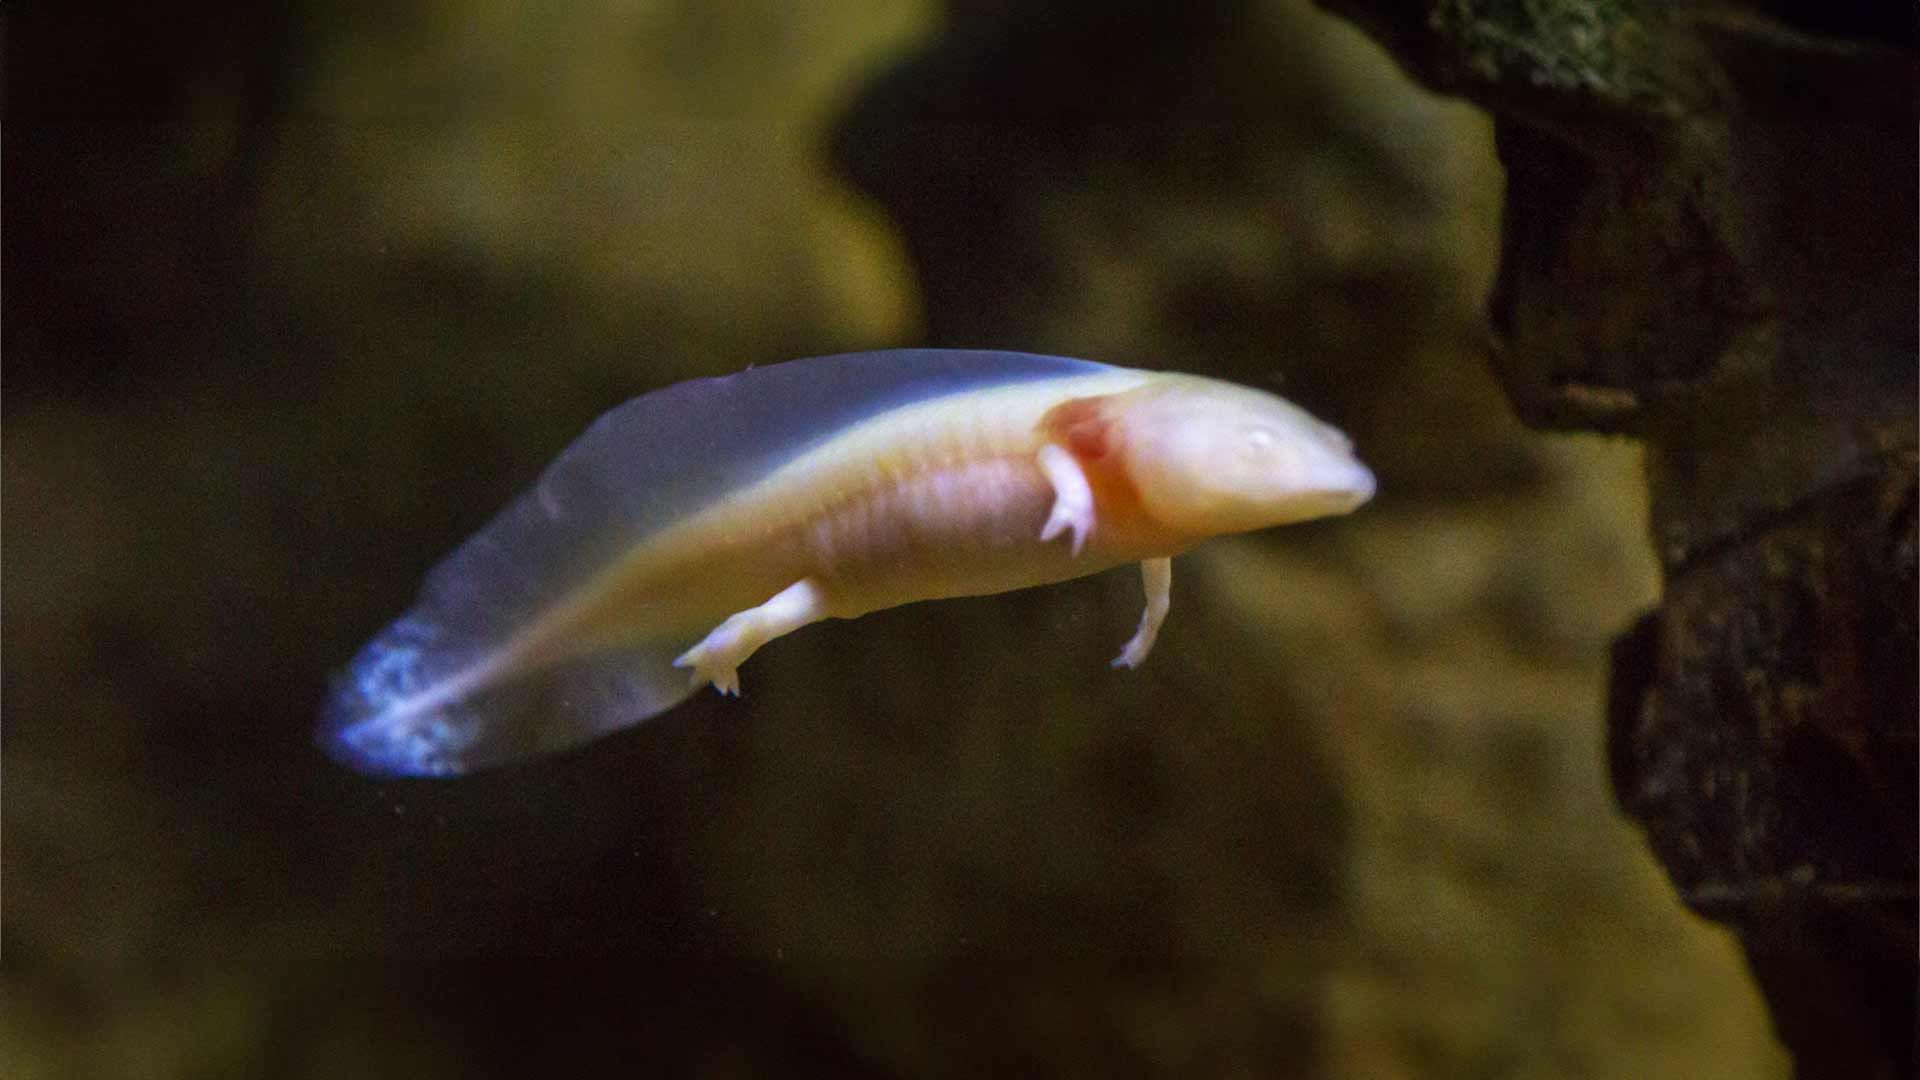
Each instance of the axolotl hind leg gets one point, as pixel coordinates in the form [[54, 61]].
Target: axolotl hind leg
[[718, 657]]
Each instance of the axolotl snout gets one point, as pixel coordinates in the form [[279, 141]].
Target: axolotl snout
[[693, 525]]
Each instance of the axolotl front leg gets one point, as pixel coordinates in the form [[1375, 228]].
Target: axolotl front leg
[[1157, 576], [1073, 511], [1072, 496]]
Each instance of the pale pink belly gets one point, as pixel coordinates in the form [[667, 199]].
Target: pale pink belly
[[961, 530]]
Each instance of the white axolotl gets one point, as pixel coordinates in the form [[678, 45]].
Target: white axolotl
[[693, 525]]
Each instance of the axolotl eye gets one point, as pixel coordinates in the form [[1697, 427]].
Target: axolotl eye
[[1257, 442]]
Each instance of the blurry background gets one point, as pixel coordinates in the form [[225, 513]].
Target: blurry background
[[296, 299]]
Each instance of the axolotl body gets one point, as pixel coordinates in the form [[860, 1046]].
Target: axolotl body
[[693, 525]]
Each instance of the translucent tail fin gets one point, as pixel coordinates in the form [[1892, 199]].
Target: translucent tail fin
[[418, 701]]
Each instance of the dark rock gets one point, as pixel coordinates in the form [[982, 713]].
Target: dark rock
[[1710, 244]]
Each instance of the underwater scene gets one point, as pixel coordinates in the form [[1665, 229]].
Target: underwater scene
[[1347, 541]]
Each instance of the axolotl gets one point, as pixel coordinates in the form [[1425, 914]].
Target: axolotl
[[691, 526]]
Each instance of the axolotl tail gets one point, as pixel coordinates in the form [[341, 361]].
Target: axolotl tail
[[424, 699], [480, 672]]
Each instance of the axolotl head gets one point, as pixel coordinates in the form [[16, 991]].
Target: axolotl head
[[1209, 457]]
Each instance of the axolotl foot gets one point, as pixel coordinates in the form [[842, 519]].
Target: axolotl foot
[[708, 667], [718, 657]]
